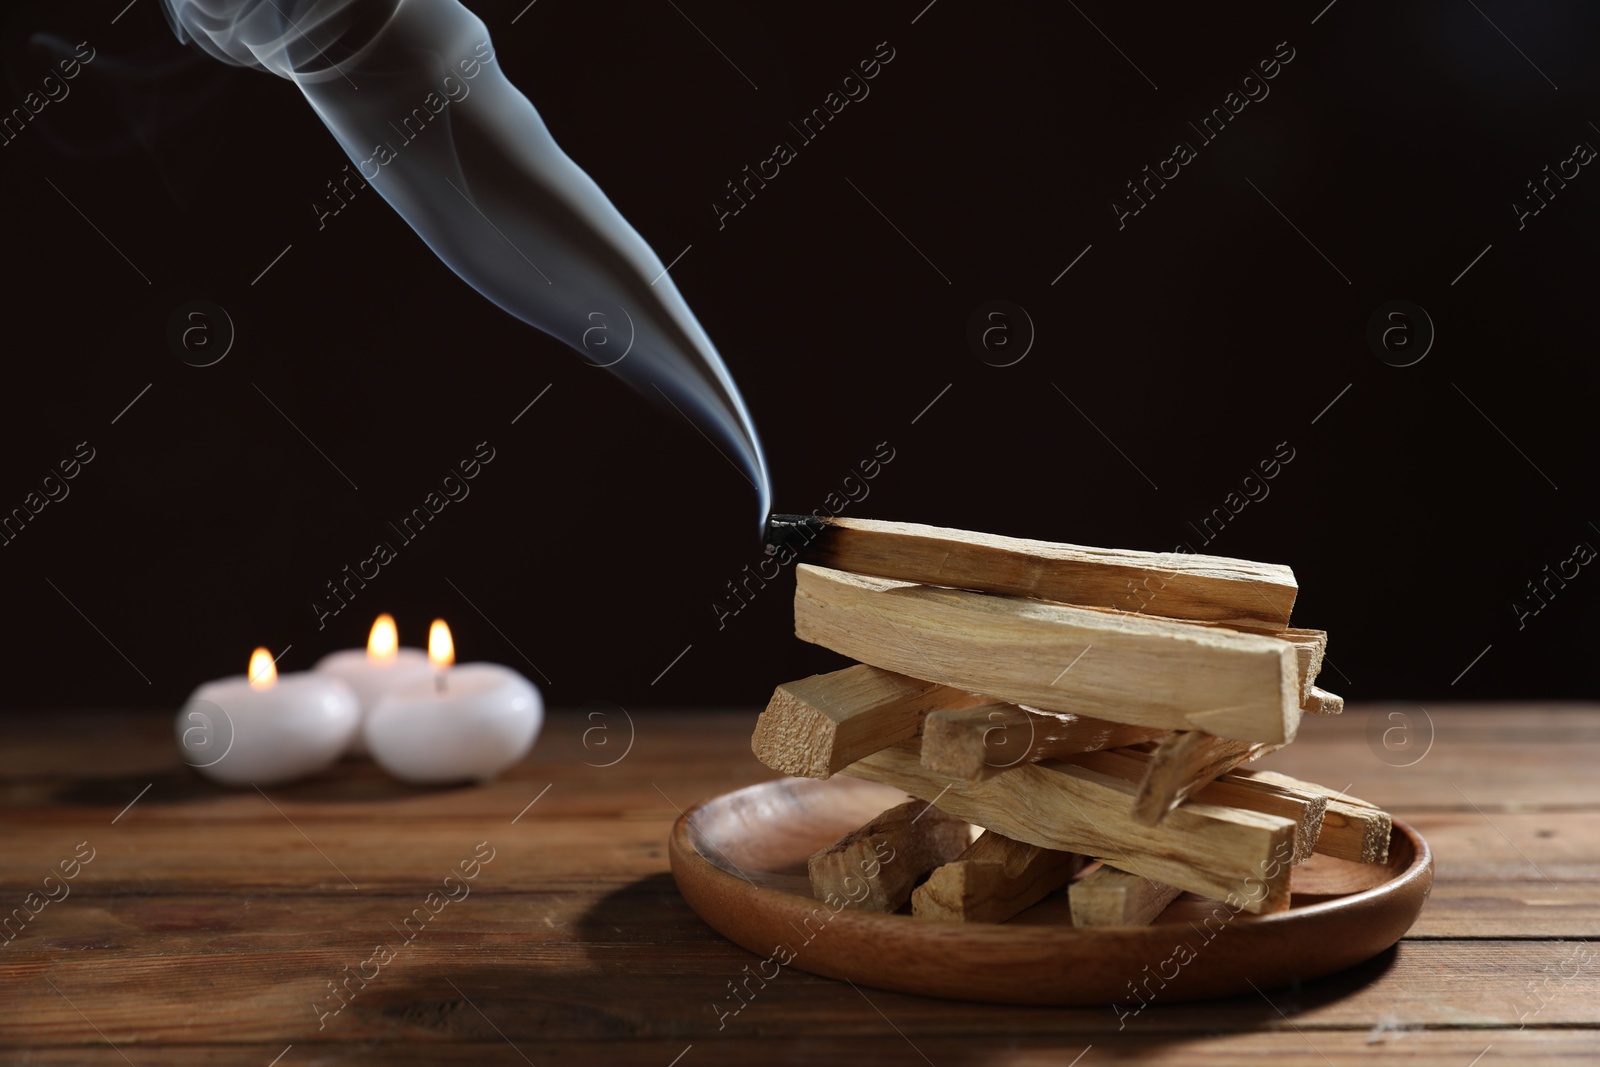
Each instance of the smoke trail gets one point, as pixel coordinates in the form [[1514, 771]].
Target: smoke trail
[[412, 92]]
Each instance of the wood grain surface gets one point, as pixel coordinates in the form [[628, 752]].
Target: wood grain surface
[[209, 923], [1135, 669], [1179, 585], [1085, 809]]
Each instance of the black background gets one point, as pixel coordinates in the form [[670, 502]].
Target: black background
[[1196, 338]]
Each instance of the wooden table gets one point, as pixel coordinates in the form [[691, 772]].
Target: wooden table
[[209, 925]]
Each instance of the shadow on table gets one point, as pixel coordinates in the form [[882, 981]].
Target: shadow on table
[[677, 973]]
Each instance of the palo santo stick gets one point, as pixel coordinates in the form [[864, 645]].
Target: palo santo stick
[[1183, 762], [876, 867], [1304, 807], [819, 725], [1109, 897], [974, 743], [1310, 649], [1203, 848], [1310, 646], [1322, 702], [1236, 593], [1126, 668], [1352, 829], [994, 879]]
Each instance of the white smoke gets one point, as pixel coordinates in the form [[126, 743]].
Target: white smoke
[[412, 92]]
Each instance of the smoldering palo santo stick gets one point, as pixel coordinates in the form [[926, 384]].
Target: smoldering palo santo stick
[[1239, 594]]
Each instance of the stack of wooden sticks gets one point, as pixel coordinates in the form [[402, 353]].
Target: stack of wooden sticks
[[1088, 710]]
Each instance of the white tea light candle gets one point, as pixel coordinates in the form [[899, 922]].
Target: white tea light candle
[[262, 729], [373, 672], [467, 722]]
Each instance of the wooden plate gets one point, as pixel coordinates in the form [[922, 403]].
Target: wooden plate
[[740, 862]]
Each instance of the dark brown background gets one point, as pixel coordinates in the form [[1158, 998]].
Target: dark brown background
[[1196, 339]]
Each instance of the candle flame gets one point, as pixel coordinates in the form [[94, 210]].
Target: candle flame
[[383, 640], [263, 672], [441, 649]]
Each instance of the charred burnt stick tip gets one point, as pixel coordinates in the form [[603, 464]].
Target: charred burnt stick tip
[[794, 532]]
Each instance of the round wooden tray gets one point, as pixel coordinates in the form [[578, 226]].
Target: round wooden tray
[[740, 861]]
